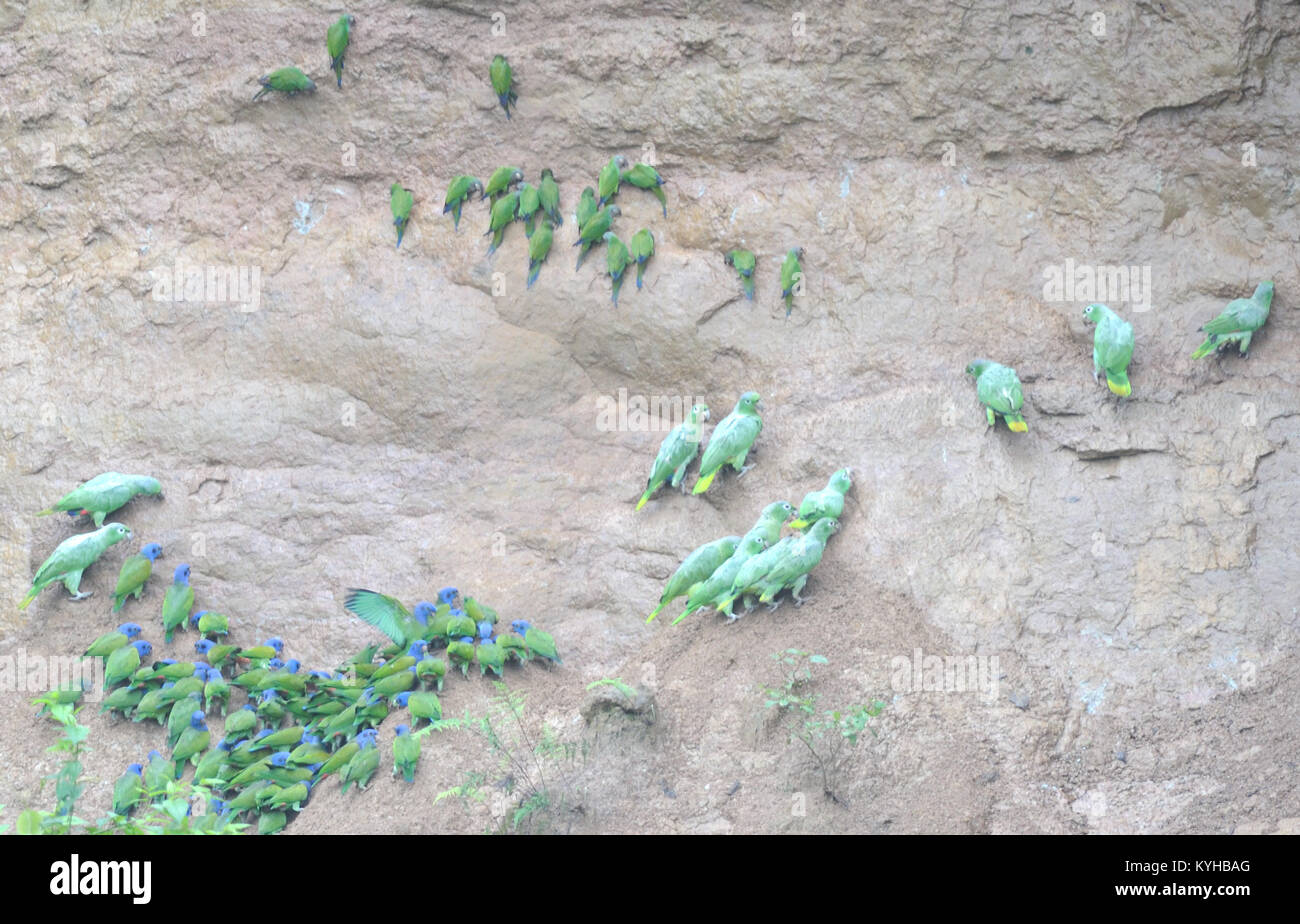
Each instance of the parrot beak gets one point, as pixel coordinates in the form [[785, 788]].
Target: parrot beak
[[129, 534]]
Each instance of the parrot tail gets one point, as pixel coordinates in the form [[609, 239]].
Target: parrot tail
[[1206, 348], [532, 277], [618, 285], [748, 282], [117, 603], [1016, 423], [1118, 383], [31, 595], [640, 271], [639, 504], [48, 511], [655, 613], [686, 612], [401, 229], [799, 524], [704, 481]]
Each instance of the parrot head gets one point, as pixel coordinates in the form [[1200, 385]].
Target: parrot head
[[214, 674], [749, 401], [485, 630], [182, 574], [403, 699], [977, 367], [143, 647], [276, 643], [367, 738], [448, 595], [1094, 312], [520, 626], [118, 531], [275, 664], [137, 769], [516, 177], [475, 187], [203, 646], [129, 629], [149, 485], [423, 610], [269, 695], [403, 729], [615, 211], [417, 648], [279, 758], [154, 755], [151, 551], [621, 161], [292, 665], [196, 719]]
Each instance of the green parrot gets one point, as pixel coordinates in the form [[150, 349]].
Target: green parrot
[[749, 572], [123, 700], [151, 706], [503, 80], [288, 737], [676, 452], [791, 277], [549, 193], [611, 175], [291, 796], [110, 642], [743, 261], [828, 502], [698, 566], [400, 201], [423, 705], [480, 612], [504, 211], [530, 203], [271, 822], [435, 668], [241, 724], [406, 753], [210, 764], [641, 249], [1238, 322], [157, 774], [490, 657], [123, 663], [461, 626], [586, 207], [615, 261], [643, 176], [388, 615], [460, 190], [336, 43], [135, 573], [770, 520], [788, 571], [128, 790], [288, 80], [209, 623], [192, 742], [998, 388], [73, 556], [215, 690], [177, 602], [500, 181], [248, 798], [710, 590], [513, 646], [1112, 348], [540, 643], [731, 441], [397, 683], [364, 764], [339, 759], [461, 654], [178, 719], [103, 494], [539, 246]]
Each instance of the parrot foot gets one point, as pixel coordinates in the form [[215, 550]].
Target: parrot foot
[[744, 469], [773, 605], [83, 595]]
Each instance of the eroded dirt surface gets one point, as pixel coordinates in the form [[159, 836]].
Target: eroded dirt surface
[[381, 418]]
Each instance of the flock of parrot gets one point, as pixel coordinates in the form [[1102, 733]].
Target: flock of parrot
[[998, 386], [512, 199], [296, 727]]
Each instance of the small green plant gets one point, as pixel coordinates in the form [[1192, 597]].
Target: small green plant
[[829, 735], [164, 812], [535, 768]]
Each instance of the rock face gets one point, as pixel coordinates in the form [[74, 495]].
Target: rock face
[[361, 415]]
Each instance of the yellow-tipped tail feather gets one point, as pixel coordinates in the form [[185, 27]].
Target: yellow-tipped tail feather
[[1118, 384], [31, 595], [651, 617], [705, 480], [46, 513], [1205, 349], [641, 503], [799, 524], [1017, 424]]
